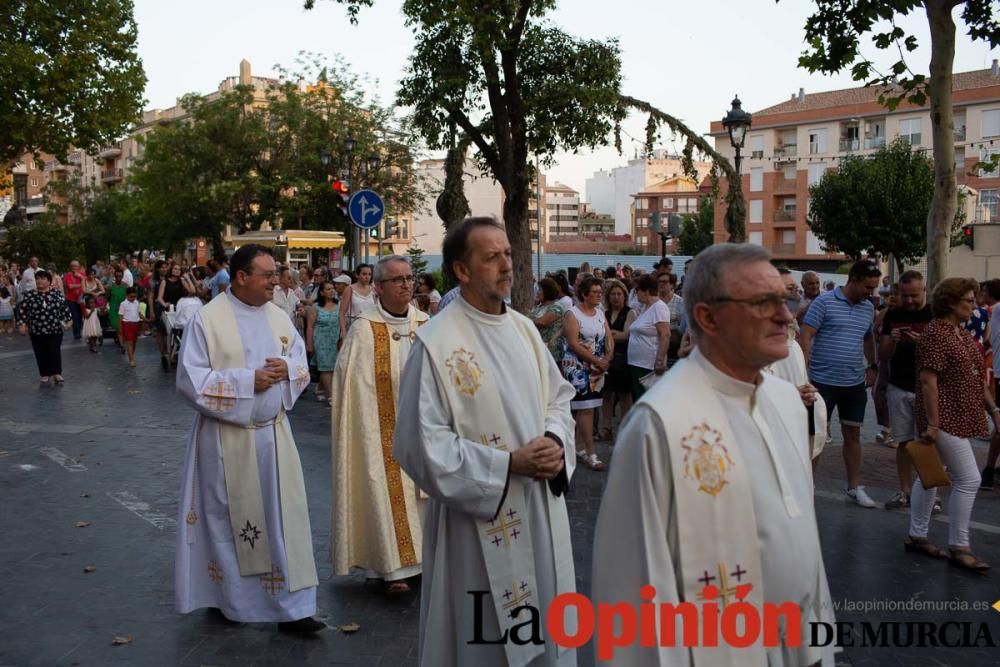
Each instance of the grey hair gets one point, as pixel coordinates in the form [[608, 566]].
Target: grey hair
[[705, 278], [378, 275]]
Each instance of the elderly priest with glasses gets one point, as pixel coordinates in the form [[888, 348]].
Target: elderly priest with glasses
[[376, 519], [710, 496]]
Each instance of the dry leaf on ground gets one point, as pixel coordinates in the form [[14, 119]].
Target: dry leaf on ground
[[82, 524], [84, 495], [350, 627], [89, 568], [118, 640]]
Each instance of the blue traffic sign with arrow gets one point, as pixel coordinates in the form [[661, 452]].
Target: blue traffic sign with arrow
[[366, 209]]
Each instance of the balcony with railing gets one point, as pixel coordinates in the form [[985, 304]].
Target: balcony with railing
[[960, 133], [112, 175], [786, 150], [874, 142], [785, 217], [784, 185], [850, 145], [110, 152]]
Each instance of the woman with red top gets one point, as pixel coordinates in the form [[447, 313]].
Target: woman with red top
[[949, 404], [73, 289]]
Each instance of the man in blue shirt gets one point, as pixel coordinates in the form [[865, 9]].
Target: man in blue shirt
[[839, 349], [219, 282]]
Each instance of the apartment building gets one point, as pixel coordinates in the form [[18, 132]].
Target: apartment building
[[485, 197], [671, 196], [611, 192], [562, 210], [792, 144]]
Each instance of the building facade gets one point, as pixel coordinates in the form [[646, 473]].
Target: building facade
[[562, 210], [792, 144], [611, 192], [678, 195]]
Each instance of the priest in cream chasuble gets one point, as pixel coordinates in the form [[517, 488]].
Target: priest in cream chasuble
[[244, 544], [710, 493], [485, 429], [376, 520]]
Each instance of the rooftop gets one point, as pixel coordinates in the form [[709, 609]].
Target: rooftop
[[983, 78]]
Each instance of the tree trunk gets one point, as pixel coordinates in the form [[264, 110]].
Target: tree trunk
[[944, 203], [515, 218]]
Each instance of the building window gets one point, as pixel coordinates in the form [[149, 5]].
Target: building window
[[34, 182], [816, 172], [756, 211], [991, 123], [641, 203], [817, 142], [668, 203], [687, 204], [756, 238], [989, 203], [959, 161], [788, 237], [756, 179], [909, 129], [757, 146]]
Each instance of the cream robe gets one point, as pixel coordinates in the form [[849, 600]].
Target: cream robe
[[792, 369], [636, 540], [466, 481], [375, 522], [207, 573]]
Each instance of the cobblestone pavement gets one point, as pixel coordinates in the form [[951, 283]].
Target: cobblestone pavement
[[106, 449]]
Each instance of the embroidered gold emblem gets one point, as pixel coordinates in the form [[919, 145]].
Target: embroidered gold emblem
[[215, 572], [302, 376], [219, 397], [284, 345], [273, 583], [706, 459], [465, 372]]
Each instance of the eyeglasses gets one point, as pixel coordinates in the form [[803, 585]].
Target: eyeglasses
[[268, 275], [399, 281], [767, 305]]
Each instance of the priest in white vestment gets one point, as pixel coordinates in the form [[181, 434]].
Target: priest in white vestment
[[375, 525], [244, 545], [711, 485], [485, 429]]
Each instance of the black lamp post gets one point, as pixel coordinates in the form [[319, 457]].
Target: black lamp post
[[736, 122]]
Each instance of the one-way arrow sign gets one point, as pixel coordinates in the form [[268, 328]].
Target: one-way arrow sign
[[366, 209]]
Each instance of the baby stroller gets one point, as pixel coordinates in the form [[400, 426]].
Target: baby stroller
[[174, 322]]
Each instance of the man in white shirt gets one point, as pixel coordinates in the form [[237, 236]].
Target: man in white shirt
[[27, 283], [284, 293]]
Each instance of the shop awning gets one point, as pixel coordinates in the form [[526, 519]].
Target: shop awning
[[292, 238]]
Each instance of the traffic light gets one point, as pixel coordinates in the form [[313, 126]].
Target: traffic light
[[969, 236], [373, 232], [391, 228], [654, 223], [673, 226], [342, 195]]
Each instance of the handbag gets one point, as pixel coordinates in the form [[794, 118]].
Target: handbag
[[926, 459], [648, 380]]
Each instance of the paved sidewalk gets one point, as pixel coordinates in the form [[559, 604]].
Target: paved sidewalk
[[106, 449]]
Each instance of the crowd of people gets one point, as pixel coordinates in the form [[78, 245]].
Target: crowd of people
[[451, 411]]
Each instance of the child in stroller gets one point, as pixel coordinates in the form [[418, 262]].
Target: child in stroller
[[176, 320]]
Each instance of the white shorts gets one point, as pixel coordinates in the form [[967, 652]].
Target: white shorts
[[901, 420]]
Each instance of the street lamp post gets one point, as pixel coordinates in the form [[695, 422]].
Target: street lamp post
[[349, 144], [736, 122], [372, 164]]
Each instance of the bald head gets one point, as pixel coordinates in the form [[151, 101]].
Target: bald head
[[810, 284]]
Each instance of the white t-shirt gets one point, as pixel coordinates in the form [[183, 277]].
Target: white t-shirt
[[27, 281], [129, 311], [435, 296], [566, 302], [643, 340], [995, 338]]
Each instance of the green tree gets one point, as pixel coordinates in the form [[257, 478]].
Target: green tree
[[71, 75], [49, 241], [875, 204], [696, 229], [241, 162], [417, 262], [834, 34], [498, 72]]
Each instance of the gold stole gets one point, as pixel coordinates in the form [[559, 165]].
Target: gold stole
[[505, 540], [386, 399], [717, 528], [251, 536]]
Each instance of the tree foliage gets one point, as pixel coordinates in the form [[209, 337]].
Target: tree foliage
[[49, 241], [71, 74], [242, 162], [834, 33], [415, 254], [875, 204], [696, 229]]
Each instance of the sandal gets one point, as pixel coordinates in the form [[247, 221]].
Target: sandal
[[920, 545], [964, 558], [595, 463], [397, 587]]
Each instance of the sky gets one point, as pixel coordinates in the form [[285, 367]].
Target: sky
[[686, 58]]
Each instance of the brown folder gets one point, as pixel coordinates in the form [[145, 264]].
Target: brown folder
[[926, 459]]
